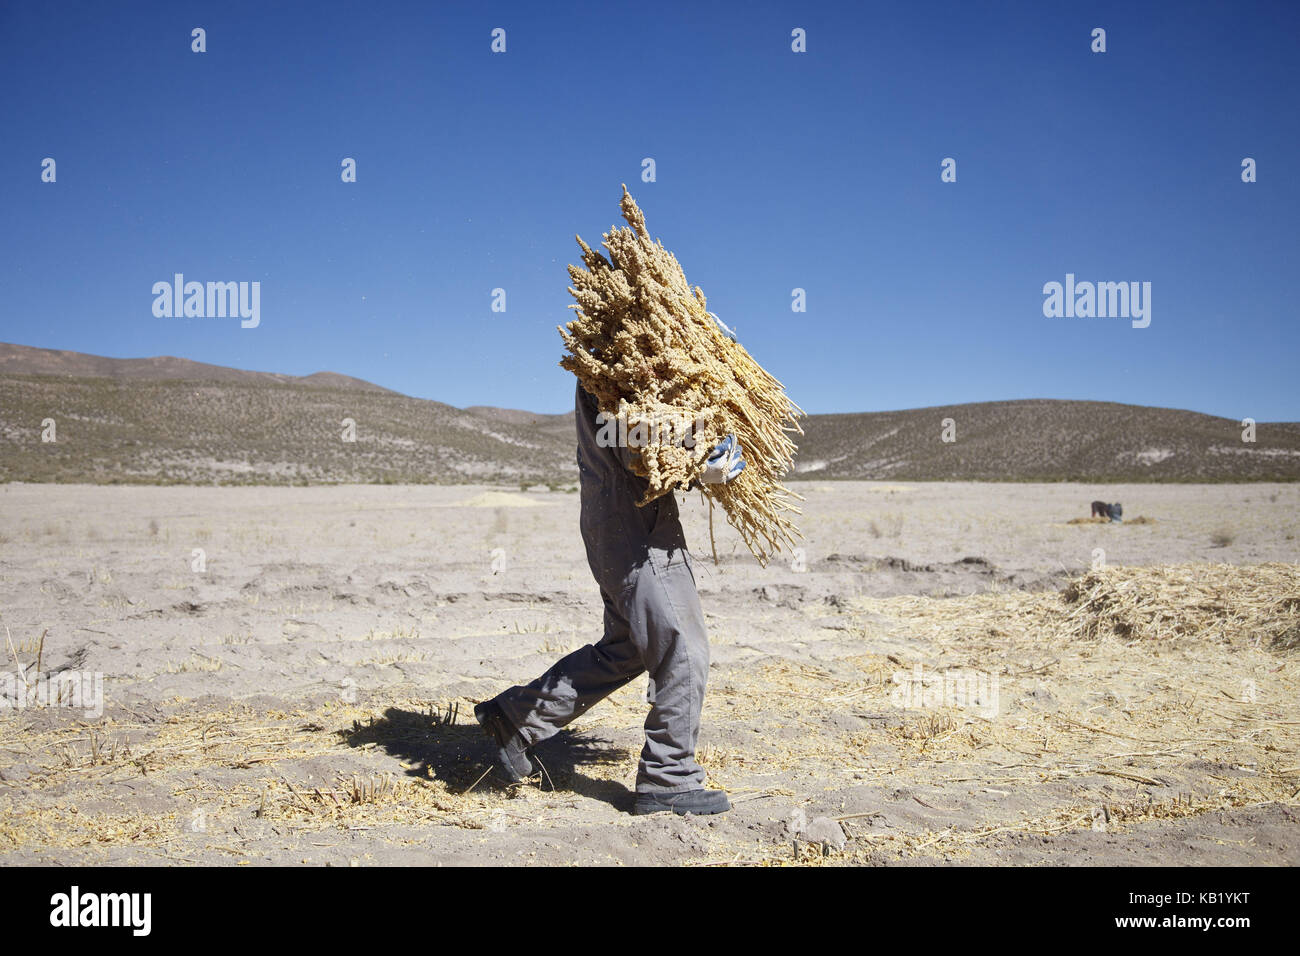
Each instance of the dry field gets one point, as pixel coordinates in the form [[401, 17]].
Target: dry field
[[288, 675]]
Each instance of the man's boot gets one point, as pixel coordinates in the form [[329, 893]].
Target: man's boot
[[699, 802], [510, 757]]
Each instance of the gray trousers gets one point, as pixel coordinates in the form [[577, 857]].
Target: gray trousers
[[653, 620], [655, 624]]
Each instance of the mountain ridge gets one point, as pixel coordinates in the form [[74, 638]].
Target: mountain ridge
[[170, 420]]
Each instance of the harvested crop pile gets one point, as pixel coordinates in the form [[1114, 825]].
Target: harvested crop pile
[[645, 347], [1217, 602]]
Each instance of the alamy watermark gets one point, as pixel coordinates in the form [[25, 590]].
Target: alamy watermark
[[82, 690], [128, 910], [213, 300], [615, 432], [1101, 300], [968, 690]]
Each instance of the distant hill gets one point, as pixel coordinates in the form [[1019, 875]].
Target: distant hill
[[25, 360], [1046, 440], [559, 425], [171, 420]]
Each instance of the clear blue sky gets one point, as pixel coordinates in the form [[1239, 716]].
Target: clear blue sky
[[775, 170]]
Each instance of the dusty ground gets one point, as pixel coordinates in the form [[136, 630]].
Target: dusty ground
[[300, 691]]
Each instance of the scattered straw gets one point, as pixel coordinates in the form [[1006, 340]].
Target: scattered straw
[[1204, 601]]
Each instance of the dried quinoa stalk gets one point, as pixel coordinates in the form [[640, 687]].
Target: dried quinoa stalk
[[645, 347]]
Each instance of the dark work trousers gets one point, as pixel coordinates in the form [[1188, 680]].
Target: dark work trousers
[[653, 620]]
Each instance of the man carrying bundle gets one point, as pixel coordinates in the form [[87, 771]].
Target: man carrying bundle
[[653, 623], [646, 351]]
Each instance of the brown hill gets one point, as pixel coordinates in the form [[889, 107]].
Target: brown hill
[[25, 360], [1046, 440], [559, 425], [173, 420], [168, 420]]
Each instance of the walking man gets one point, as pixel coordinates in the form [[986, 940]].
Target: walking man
[[653, 623]]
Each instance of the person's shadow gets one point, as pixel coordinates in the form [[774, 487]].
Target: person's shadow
[[444, 747]]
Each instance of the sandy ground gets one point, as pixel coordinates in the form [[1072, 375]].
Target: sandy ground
[[288, 675]]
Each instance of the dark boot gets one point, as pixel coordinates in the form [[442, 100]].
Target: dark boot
[[509, 757], [699, 802]]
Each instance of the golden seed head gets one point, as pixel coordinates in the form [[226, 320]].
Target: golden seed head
[[645, 347]]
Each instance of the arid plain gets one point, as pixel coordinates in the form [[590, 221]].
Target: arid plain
[[288, 675]]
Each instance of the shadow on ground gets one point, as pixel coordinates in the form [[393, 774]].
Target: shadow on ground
[[436, 746]]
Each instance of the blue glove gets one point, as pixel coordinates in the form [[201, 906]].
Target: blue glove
[[724, 463]]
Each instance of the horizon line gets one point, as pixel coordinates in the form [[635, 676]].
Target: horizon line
[[879, 411]]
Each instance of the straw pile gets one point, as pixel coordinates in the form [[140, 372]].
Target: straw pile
[[645, 347], [1206, 601]]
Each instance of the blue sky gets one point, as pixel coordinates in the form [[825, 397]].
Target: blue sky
[[775, 170]]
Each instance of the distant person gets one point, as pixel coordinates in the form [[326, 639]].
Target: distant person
[[1116, 512], [1100, 509]]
